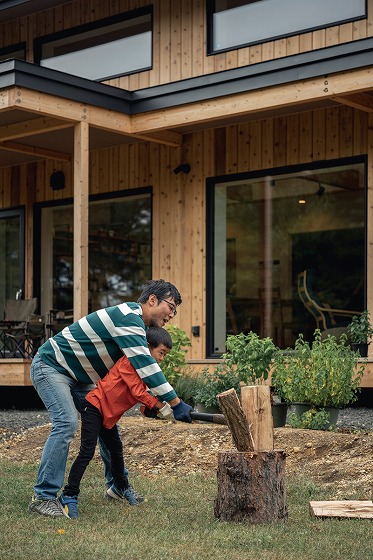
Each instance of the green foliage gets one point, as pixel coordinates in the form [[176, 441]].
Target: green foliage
[[360, 328], [211, 384], [324, 374], [250, 356], [313, 419], [174, 363], [186, 386]]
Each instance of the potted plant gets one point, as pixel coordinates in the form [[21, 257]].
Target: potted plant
[[323, 375], [361, 332], [248, 360]]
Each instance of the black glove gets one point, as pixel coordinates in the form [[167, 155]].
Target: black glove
[[181, 412], [149, 412]]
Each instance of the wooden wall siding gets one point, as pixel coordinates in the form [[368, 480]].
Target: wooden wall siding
[[179, 38], [179, 204]]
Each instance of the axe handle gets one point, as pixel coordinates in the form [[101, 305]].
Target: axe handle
[[205, 417]]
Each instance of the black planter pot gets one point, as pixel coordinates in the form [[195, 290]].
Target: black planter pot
[[279, 413], [361, 348]]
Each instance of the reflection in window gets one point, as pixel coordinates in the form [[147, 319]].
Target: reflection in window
[[236, 23], [119, 252], [102, 50], [267, 231]]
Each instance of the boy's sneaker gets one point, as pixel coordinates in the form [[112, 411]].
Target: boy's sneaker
[[48, 508], [69, 505], [116, 494]]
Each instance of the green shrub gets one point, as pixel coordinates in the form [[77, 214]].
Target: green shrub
[[175, 363]]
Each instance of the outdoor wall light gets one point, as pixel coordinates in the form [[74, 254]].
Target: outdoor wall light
[[57, 181], [195, 330], [183, 167]]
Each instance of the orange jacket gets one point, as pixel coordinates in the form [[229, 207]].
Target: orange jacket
[[119, 391]]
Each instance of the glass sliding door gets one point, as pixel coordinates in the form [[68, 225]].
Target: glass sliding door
[[270, 228], [12, 274], [119, 251]]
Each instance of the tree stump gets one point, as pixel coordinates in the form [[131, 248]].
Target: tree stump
[[251, 486], [251, 481]]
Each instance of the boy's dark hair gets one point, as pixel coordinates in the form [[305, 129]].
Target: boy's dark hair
[[156, 336], [161, 289]]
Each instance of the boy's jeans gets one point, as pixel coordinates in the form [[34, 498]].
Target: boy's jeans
[[63, 397]]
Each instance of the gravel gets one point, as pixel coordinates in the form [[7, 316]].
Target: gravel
[[14, 422]]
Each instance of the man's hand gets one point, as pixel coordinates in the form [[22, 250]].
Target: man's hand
[[181, 412]]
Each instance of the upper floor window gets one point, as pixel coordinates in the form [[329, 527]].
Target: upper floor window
[[13, 51], [100, 50], [236, 23]]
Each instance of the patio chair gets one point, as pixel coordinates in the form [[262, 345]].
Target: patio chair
[[325, 316]]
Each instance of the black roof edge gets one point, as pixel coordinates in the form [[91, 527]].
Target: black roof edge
[[45, 80], [321, 62]]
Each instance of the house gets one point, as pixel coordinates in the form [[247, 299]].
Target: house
[[216, 144]]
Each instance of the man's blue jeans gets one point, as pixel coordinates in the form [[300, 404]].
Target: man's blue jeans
[[63, 397]]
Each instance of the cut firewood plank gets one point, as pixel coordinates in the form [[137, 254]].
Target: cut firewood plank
[[362, 509], [256, 405], [236, 420]]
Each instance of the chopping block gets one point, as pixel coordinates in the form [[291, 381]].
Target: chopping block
[[251, 478]]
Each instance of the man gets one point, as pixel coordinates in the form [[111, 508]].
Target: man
[[68, 364]]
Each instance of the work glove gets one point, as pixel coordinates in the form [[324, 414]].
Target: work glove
[[166, 412], [149, 412], [181, 412]]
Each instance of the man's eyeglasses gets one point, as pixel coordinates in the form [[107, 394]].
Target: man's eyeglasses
[[170, 305]]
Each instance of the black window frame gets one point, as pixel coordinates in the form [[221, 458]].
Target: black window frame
[[12, 49], [210, 226], [98, 24], [210, 11], [37, 211]]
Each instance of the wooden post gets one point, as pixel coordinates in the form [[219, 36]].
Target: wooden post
[[251, 484]]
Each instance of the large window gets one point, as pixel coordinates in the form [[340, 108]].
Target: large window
[[236, 23], [269, 229], [101, 50], [119, 251]]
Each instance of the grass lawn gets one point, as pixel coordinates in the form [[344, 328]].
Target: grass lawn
[[176, 522]]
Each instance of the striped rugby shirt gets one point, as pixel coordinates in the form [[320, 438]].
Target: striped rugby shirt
[[88, 348]]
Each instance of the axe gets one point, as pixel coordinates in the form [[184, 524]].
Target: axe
[[206, 417]]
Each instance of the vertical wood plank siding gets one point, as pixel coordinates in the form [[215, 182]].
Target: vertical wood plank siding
[[179, 201], [179, 37]]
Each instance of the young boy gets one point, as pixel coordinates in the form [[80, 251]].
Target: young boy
[[116, 393]]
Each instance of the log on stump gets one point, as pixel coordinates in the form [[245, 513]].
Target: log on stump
[[251, 486]]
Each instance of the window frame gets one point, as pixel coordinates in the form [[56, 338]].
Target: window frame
[[39, 42], [210, 226], [210, 11], [39, 206], [12, 49]]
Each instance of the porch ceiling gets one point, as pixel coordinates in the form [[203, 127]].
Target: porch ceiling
[[39, 107]]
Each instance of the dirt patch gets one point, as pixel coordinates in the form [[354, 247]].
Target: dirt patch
[[154, 448]]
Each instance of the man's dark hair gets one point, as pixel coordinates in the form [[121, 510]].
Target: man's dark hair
[[161, 289], [156, 336]]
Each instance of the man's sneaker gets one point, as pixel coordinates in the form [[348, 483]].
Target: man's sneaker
[[70, 505], [134, 493], [49, 508], [116, 494]]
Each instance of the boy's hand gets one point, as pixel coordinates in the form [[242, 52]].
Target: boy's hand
[[149, 412], [181, 412], [166, 412]]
